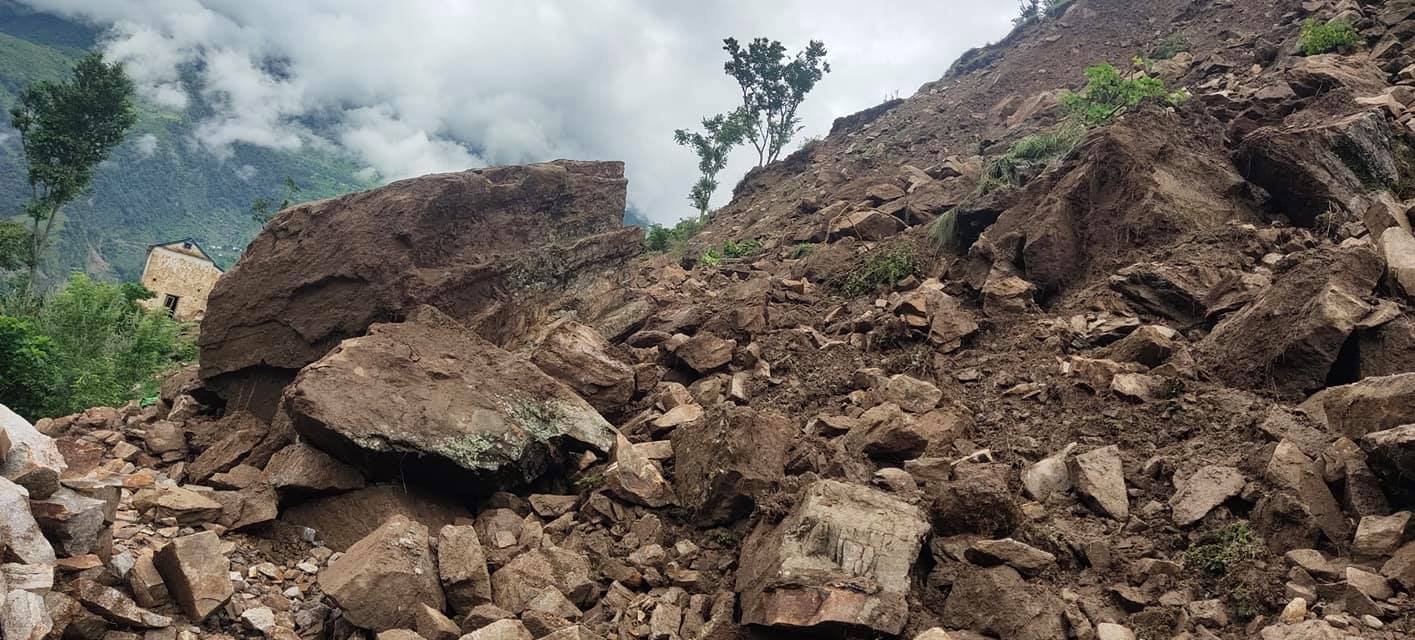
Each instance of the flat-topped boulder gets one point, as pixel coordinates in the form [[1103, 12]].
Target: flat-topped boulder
[[466, 242], [429, 399]]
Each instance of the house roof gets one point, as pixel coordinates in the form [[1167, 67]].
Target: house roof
[[194, 243]]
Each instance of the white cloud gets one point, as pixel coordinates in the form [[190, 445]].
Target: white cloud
[[146, 145], [435, 85], [246, 172]]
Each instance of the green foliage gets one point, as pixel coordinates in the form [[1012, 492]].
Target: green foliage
[[1323, 37], [263, 208], [1109, 93], [66, 129], [91, 344], [14, 245], [1172, 45], [730, 250], [773, 88], [1029, 153], [802, 250], [662, 239], [1220, 550], [882, 269], [28, 376], [722, 132]]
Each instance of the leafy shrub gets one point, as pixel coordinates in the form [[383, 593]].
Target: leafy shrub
[[1172, 45], [1323, 37], [1219, 550], [1108, 93], [28, 376], [91, 344], [882, 269], [729, 250], [661, 239]]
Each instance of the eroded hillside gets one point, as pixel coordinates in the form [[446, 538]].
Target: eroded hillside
[[1156, 383]]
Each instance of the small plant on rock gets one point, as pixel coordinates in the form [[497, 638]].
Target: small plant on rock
[[1108, 93], [1324, 37], [1172, 45], [1219, 550], [883, 269]]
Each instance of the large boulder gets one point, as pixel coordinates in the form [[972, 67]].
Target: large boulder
[[1133, 185], [842, 557], [1373, 404], [580, 357], [20, 536], [725, 461], [1314, 169], [999, 602], [459, 405], [477, 244], [33, 460], [1290, 337], [380, 581]]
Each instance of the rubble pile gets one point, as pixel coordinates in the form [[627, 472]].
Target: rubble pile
[[1164, 388]]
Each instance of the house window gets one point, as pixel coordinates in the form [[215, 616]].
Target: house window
[[170, 303]]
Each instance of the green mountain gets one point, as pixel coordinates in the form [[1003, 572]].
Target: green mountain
[[145, 193]]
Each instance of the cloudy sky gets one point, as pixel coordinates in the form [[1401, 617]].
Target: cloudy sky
[[419, 86]]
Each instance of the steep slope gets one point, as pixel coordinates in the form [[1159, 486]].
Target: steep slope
[[158, 185], [1162, 386]]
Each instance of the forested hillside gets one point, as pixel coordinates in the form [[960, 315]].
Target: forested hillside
[[158, 185]]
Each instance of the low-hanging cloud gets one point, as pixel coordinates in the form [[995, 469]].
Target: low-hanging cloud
[[440, 85]]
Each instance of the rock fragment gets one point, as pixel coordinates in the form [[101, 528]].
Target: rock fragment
[[1207, 488], [380, 581], [792, 575], [196, 573], [461, 565], [33, 460], [1099, 476], [302, 468]]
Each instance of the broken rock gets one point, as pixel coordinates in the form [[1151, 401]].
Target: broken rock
[[20, 536], [430, 387], [1099, 476], [634, 477], [515, 585], [579, 356], [196, 573], [792, 575], [302, 468], [726, 460], [997, 601], [33, 460], [461, 564], [380, 581], [1207, 488], [71, 520]]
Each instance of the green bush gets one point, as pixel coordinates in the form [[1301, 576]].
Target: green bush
[[1323, 37], [662, 239], [1219, 550], [28, 375], [1108, 93], [729, 250], [882, 269], [91, 344], [1171, 46]]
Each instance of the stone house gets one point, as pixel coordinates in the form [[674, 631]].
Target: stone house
[[182, 275]]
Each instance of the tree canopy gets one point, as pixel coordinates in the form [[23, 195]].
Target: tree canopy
[[720, 134], [66, 129], [773, 88]]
